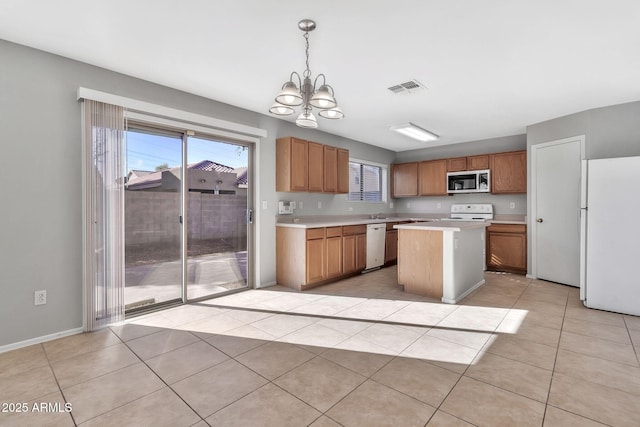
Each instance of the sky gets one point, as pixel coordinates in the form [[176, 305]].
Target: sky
[[146, 151]]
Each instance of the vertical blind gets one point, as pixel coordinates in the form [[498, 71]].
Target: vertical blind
[[103, 140]]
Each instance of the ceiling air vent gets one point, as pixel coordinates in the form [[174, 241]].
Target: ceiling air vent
[[407, 87]]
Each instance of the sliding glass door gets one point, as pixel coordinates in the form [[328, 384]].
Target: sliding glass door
[[217, 205], [186, 208], [152, 210]]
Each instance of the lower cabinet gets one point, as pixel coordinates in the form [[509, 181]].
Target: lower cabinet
[[354, 248], [361, 251], [308, 257], [316, 255], [334, 252], [507, 248], [391, 244]]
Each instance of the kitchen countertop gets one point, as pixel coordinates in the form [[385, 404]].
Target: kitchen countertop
[[340, 220]]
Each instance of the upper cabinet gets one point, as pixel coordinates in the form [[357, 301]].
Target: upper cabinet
[[311, 167], [432, 178], [429, 177], [330, 169], [316, 167], [457, 164], [343, 170], [404, 179], [475, 163], [292, 157], [470, 163], [509, 172]]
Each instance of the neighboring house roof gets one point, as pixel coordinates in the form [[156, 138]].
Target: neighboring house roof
[[140, 180], [208, 165], [242, 175]]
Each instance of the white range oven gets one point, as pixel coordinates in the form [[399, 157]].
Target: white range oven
[[470, 212]]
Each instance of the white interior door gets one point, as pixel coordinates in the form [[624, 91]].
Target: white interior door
[[556, 210]]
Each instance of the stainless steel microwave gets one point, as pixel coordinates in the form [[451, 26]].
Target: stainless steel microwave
[[469, 181]]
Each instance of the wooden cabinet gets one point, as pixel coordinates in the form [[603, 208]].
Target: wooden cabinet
[[429, 177], [316, 167], [361, 251], [469, 163], [316, 255], [310, 257], [334, 252], [509, 172], [343, 171], [404, 179], [433, 178], [478, 162], [391, 244], [507, 248], [330, 169], [457, 164], [354, 248], [292, 157], [311, 167], [349, 254]]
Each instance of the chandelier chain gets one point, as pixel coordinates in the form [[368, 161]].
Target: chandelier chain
[[307, 72]]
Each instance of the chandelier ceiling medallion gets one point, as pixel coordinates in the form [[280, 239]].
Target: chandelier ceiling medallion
[[308, 96]]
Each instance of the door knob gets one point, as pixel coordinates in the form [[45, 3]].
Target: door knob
[[539, 220]]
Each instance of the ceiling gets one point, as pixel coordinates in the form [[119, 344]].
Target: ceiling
[[491, 67]]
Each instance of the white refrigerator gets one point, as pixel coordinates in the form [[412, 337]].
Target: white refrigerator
[[610, 237]]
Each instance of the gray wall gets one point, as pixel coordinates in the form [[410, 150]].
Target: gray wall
[[40, 227], [501, 202], [612, 131], [609, 132]]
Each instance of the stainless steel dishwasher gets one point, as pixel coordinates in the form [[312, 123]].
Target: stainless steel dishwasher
[[376, 234]]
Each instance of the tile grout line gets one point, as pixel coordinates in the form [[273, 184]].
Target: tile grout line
[[157, 375], [555, 360], [73, 420], [439, 408]]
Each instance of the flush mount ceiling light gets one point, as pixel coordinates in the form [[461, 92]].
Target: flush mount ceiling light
[[415, 132], [308, 96]]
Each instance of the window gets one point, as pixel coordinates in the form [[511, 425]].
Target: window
[[367, 182]]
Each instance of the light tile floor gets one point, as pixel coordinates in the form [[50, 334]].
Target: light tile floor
[[359, 352]]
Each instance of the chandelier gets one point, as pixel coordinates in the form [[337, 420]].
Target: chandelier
[[308, 96]]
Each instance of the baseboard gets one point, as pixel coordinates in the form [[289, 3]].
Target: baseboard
[[39, 340], [266, 285], [463, 296]]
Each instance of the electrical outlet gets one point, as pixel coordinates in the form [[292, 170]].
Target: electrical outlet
[[264, 204], [350, 209], [512, 205], [293, 205], [439, 205], [391, 205], [301, 205], [408, 204], [40, 297], [319, 205]]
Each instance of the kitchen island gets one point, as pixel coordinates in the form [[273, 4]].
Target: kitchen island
[[443, 260]]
